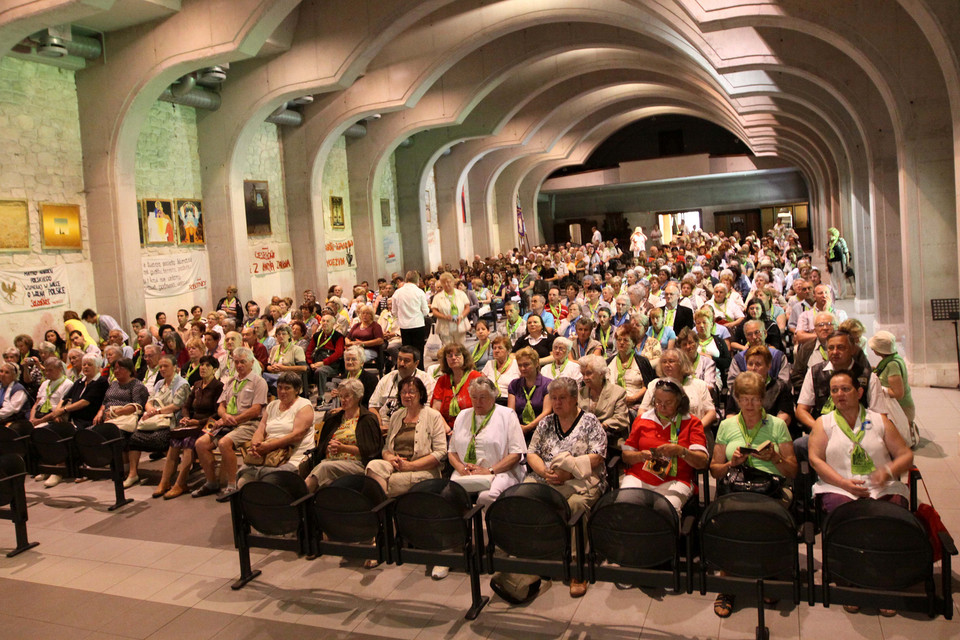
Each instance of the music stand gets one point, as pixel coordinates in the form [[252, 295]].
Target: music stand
[[948, 309]]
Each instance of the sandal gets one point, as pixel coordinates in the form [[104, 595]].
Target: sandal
[[771, 602], [888, 613], [723, 605], [851, 608]]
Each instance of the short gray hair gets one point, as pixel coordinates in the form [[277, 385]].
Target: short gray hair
[[592, 363], [565, 384], [482, 384], [95, 359], [356, 350], [351, 386], [242, 353], [563, 342], [284, 328]]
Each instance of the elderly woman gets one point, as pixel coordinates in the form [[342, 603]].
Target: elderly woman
[[567, 452], [199, 407], [502, 367], [284, 429], [584, 344], [627, 369], [349, 439], [353, 370], [450, 307], [124, 399], [14, 398], [366, 333], [856, 452], [31, 367], [527, 395], [604, 399], [81, 404], [450, 394], [481, 351], [285, 356], [191, 370], [562, 365], [777, 397], [727, 312], [892, 372], [230, 304], [675, 366], [416, 443], [160, 412], [52, 391], [665, 446], [486, 445], [537, 339]]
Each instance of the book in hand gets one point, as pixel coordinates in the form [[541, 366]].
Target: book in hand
[[757, 449]]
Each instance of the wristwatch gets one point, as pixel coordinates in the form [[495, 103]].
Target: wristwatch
[[490, 469]]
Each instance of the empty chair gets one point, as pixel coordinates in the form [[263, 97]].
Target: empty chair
[[531, 523], [264, 510], [748, 535], [13, 499], [638, 530], [349, 520], [873, 546], [15, 439], [100, 451], [436, 524], [53, 444]]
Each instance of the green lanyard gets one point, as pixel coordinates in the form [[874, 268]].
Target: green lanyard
[[621, 371], [321, 344], [861, 464], [238, 386], [604, 339], [528, 414], [499, 372], [659, 334], [192, 370], [668, 317], [454, 408], [139, 359], [823, 353], [513, 330], [281, 354], [46, 406], [476, 355], [553, 368], [470, 457], [454, 309], [674, 438], [746, 433]]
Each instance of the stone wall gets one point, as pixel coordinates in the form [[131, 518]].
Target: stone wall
[[393, 252], [336, 183], [41, 161], [432, 225]]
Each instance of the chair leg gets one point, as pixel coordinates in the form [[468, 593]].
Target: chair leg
[[762, 632], [116, 470], [477, 601], [243, 547], [19, 508]]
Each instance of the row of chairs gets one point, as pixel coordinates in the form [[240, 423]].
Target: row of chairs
[[62, 449], [874, 553]]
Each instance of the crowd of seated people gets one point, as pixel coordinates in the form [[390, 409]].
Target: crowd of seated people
[[535, 367]]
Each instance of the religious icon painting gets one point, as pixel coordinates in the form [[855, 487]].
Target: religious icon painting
[[190, 221], [159, 222]]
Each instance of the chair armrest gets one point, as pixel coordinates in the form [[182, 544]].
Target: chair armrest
[[13, 477], [613, 462], [686, 527], [302, 499], [383, 505], [226, 497], [469, 515], [576, 519], [946, 541], [809, 533], [113, 440]]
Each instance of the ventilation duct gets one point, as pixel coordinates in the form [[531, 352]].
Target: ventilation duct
[[355, 131], [285, 116], [196, 97], [58, 42], [183, 86], [212, 76], [302, 100]]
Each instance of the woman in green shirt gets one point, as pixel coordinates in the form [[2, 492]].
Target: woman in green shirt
[[892, 372]]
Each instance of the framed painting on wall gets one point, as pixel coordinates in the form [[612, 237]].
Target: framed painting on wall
[[15, 222], [256, 200], [60, 224], [384, 212], [337, 220], [190, 221], [159, 222]]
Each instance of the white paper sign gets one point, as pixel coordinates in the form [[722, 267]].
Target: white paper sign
[[33, 289], [270, 258], [174, 274]]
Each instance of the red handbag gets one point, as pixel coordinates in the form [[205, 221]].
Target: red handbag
[[931, 521]]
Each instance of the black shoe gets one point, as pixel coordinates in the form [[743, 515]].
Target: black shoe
[[205, 490]]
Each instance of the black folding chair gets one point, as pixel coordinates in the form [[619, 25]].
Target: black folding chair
[[264, 510], [753, 539], [15, 439], [531, 523], [100, 450], [436, 523], [13, 499], [55, 450], [349, 519], [636, 537], [875, 553]]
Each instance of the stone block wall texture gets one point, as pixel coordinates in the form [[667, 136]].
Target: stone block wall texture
[[391, 237], [432, 225], [336, 182], [41, 161]]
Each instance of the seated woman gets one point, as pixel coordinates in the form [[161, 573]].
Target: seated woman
[[675, 366], [567, 452], [191, 370], [83, 401], [777, 397], [173, 346], [584, 343], [604, 399], [537, 339], [285, 425], [51, 392], [285, 356], [200, 405], [604, 332], [562, 365], [481, 352], [366, 333], [627, 369], [703, 367], [486, 445], [450, 394], [353, 370], [416, 443], [713, 341], [348, 440], [160, 412], [502, 367], [665, 335], [666, 445], [857, 453], [527, 395]]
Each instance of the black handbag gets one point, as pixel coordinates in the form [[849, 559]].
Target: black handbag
[[746, 478]]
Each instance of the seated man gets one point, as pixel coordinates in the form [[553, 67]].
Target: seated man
[[240, 406], [325, 352], [118, 338], [756, 334], [537, 308], [250, 341], [385, 399], [821, 303]]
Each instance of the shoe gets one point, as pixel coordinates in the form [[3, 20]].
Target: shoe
[[578, 588], [851, 608], [175, 492], [439, 573], [723, 605], [371, 564], [888, 613], [206, 490], [129, 482], [52, 480], [162, 489], [39, 477], [79, 480]]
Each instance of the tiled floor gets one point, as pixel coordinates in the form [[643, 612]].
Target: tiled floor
[[86, 581]]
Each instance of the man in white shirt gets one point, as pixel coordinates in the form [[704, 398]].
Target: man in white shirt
[[384, 400], [410, 306], [821, 302]]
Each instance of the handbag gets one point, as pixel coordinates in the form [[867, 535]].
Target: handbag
[[744, 478], [433, 344], [155, 422], [931, 521], [127, 423], [274, 458]]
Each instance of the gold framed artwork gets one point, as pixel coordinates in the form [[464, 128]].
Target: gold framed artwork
[[384, 212], [337, 220], [60, 225], [159, 222], [190, 221], [15, 222], [256, 201]]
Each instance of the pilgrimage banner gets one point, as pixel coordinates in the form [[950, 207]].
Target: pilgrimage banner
[[339, 254], [33, 289], [270, 258], [174, 274]]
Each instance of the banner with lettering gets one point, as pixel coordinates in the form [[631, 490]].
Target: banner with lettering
[[33, 289], [174, 274], [340, 254], [270, 258]]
